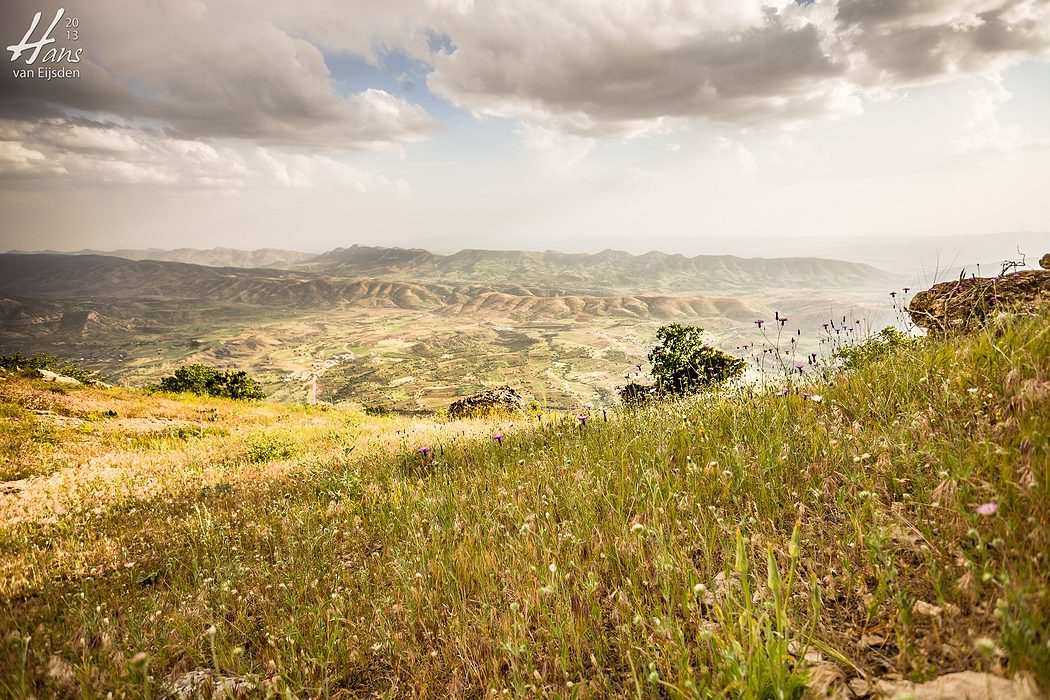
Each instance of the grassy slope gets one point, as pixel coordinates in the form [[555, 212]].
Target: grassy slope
[[649, 554]]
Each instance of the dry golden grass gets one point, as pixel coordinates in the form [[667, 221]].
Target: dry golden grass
[[748, 545]]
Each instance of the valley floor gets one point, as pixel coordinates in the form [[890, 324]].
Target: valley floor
[[756, 545]]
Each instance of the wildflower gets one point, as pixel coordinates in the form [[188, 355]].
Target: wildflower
[[498, 437], [986, 508], [637, 527], [816, 398], [799, 366], [782, 392], [759, 322], [424, 451], [893, 294], [583, 419]]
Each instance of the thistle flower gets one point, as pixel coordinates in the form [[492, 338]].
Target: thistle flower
[[583, 419], [986, 508], [498, 437], [907, 289], [759, 322], [783, 320], [425, 451]]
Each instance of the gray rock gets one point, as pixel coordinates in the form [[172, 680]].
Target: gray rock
[[49, 376]]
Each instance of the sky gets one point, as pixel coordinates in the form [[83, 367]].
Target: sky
[[575, 125]]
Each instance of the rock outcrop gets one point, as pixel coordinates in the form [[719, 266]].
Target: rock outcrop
[[49, 376], [500, 400], [966, 304]]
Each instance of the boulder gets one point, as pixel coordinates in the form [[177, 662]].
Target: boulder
[[500, 400], [49, 376], [966, 304]]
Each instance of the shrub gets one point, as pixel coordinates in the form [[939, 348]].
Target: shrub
[[270, 447], [683, 364], [635, 394], [18, 361], [882, 344], [206, 381]]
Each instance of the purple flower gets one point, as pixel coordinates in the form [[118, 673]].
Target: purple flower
[[759, 322], [782, 392], [986, 508], [583, 419], [799, 366], [893, 294], [783, 320], [907, 289], [424, 451], [498, 437]]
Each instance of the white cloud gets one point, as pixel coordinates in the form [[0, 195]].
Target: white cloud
[[89, 154]]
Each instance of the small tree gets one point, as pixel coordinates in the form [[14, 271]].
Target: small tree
[[683, 364], [206, 381]]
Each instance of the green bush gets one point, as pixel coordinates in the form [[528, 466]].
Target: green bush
[[882, 344], [683, 364], [634, 394], [270, 447], [207, 381], [18, 361]]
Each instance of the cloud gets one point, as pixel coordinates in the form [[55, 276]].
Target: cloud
[[86, 154], [257, 69], [205, 70], [599, 67]]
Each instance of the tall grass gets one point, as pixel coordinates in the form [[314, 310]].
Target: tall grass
[[719, 546]]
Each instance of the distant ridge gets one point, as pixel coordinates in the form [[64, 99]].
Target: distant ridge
[[90, 279], [608, 269], [211, 257]]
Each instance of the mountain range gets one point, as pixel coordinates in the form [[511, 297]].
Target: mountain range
[[212, 257]]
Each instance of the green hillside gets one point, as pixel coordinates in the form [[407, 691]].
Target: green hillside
[[889, 525]]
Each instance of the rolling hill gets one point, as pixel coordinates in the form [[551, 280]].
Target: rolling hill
[[609, 269]]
